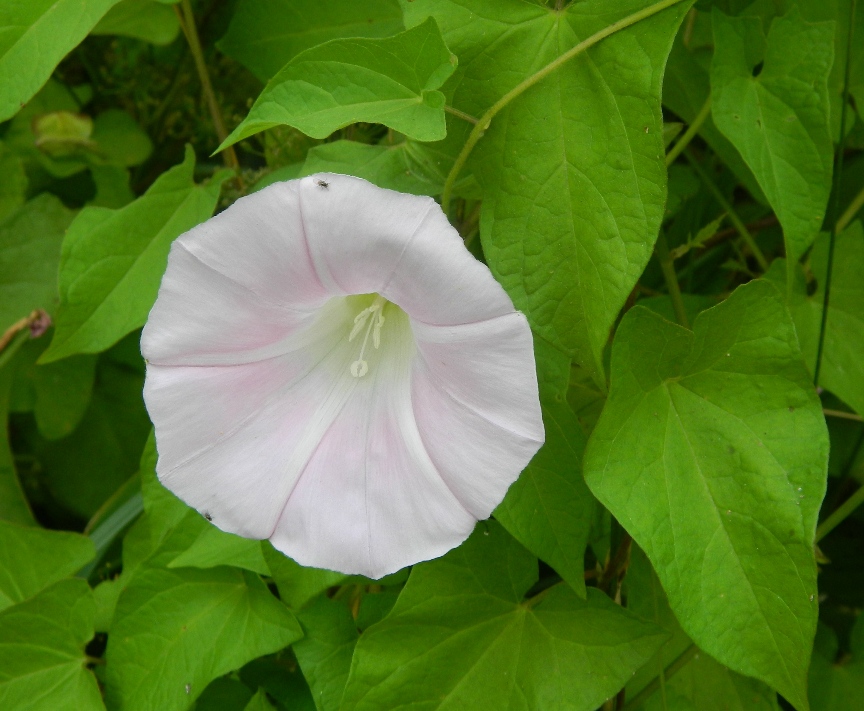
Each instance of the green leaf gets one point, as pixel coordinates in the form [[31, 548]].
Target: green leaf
[[29, 255], [778, 120], [13, 182], [549, 509], [567, 228], [174, 631], [712, 452], [842, 369], [31, 559], [214, 547], [393, 81], [325, 651], [460, 637], [14, 506], [835, 685], [266, 34], [118, 138], [702, 684], [42, 651], [260, 702], [147, 20], [224, 694], [399, 167], [280, 676], [297, 584], [85, 468], [113, 260], [58, 393], [34, 37], [686, 88]]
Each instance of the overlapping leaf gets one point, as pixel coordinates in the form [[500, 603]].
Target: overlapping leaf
[[266, 34], [34, 37], [549, 508], [778, 120], [572, 170], [31, 559], [712, 452], [113, 260], [461, 637], [842, 369], [42, 651], [393, 81]]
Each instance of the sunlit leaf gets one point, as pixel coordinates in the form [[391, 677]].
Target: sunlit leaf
[[712, 452]]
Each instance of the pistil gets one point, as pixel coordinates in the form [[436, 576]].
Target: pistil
[[372, 319]]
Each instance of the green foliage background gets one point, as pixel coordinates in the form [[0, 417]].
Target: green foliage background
[[671, 193]]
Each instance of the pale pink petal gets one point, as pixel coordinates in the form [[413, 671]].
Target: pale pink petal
[[477, 380], [236, 286], [364, 239], [370, 500]]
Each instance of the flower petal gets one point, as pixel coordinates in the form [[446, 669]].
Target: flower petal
[[478, 380], [364, 239], [236, 286], [370, 500]]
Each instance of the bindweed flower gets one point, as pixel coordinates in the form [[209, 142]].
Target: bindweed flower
[[330, 368]]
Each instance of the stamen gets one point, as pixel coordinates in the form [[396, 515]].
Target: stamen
[[372, 318]]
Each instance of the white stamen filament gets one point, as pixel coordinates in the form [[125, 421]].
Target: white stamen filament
[[372, 318]]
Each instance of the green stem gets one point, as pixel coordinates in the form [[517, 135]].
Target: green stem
[[668, 267], [690, 133], [850, 212], [730, 211], [486, 119], [187, 24], [461, 114], [840, 514], [842, 415], [838, 172], [680, 662]]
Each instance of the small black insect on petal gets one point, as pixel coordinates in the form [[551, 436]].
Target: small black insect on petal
[[208, 516], [322, 184]]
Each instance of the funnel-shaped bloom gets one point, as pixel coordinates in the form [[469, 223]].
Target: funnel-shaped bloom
[[330, 368]]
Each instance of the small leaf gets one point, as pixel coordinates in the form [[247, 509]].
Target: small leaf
[[712, 452], [31, 559], [42, 651], [778, 120], [174, 631], [113, 260], [460, 637], [36, 36], [266, 34], [393, 81]]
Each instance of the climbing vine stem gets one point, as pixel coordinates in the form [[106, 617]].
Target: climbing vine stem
[[486, 119]]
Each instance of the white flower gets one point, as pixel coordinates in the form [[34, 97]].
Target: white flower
[[330, 368]]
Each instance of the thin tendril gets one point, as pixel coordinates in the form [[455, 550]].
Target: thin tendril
[[835, 209]]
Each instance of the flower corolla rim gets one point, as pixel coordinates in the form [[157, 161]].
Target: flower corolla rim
[[329, 368]]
